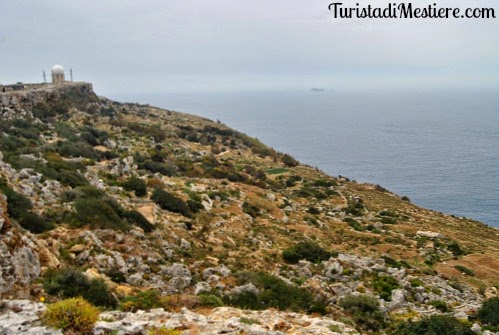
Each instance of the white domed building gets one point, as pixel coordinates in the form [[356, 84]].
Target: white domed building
[[57, 74]]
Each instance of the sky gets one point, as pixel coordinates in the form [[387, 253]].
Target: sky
[[155, 46]]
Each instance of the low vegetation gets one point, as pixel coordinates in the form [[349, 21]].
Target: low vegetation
[[19, 207], [273, 293], [219, 198], [365, 311], [71, 283], [488, 314], [170, 202], [73, 316], [434, 324], [309, 251]]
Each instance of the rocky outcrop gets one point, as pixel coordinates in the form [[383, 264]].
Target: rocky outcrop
[[236, 224], [19, 264], [26, 99], [23, 317], [19, 256]]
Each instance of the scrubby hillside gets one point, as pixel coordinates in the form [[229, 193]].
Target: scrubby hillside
[[135, 207]]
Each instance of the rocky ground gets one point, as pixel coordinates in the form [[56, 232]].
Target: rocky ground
[[240, 206], [21, 317]]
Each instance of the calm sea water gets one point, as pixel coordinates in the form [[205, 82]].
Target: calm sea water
[[439, 149]]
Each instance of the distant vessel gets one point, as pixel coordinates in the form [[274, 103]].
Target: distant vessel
[[317, 89]]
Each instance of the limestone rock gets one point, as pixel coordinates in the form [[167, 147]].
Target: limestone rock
[[22, 317], [178, 270], [77, 248], [332, 269], [476, 328], [221, 270], [248, 288], [398, 299], [184, 244], [202, 287], [430, 234]]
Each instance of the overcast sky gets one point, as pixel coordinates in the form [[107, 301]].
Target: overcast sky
[[155, 46]]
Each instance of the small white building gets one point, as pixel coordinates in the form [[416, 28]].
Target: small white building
[[57, 74]]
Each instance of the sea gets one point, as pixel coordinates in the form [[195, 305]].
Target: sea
[[441, 149]]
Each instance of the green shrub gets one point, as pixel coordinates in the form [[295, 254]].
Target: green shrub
[[210, 300], [456, 249], [70, 178], [387, 213], [166, 169], [79, 149], [273, 293], [98, 213], [387, 220], [464, 270], [73, 315], [251, 210], [195, 206], [142, 300], [433, 325], [42, 111], [289, 160], [34, 223], [70, 283], [276, 293], [137, 185], [384, 285], [90, 191], [416, 282], [489, 313], [17, 204], [394, 263], [440, 305], [314, 211], [244, 300], [89, 138], [19, 207], [169, 202], [309, 251], [68, 173], [116, 275], [432, 258], [134, 217], [365, 311], [354, 224]]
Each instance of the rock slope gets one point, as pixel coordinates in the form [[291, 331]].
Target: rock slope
[[151, 199]]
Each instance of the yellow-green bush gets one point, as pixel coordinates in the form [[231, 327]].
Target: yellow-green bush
[[74, 314]]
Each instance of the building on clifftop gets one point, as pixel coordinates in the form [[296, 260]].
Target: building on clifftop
[[57, 74]]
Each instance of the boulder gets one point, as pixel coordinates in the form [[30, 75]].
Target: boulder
[[248, 288], [332, 269], [430, 234], [202, 287], [398, 299]]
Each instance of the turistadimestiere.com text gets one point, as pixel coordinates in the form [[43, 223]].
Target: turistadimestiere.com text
[[407, 10]]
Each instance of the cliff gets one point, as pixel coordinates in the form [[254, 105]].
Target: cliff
[[28, 96], [176, 212]]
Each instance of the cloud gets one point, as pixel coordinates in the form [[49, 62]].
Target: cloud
[[226, 44]]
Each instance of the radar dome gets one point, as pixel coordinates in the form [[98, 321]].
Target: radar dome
[[57, 69]]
